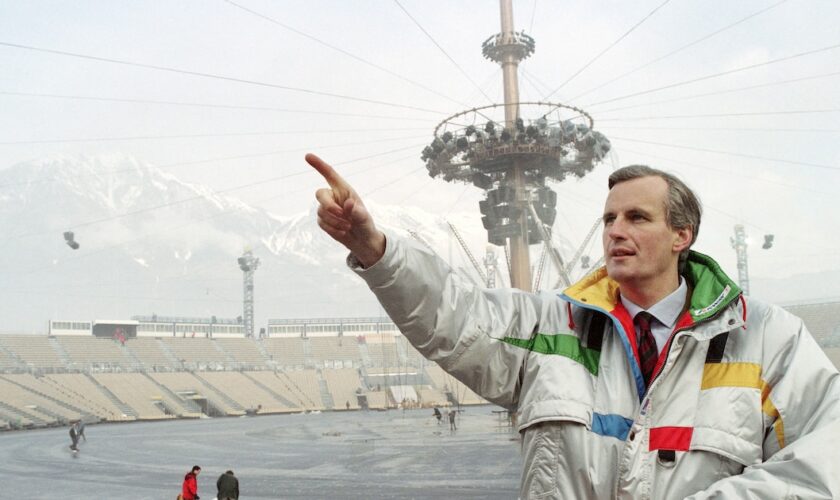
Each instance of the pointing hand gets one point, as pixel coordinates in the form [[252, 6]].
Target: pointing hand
[[343, 216]]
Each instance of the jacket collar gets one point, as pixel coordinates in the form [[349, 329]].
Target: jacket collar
[[712, 290]]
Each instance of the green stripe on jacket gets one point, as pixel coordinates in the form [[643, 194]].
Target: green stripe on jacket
[[561, 345]]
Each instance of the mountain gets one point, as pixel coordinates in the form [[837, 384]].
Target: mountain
[[153, 244]]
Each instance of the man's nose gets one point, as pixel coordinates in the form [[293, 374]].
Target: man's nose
[[617, 229]]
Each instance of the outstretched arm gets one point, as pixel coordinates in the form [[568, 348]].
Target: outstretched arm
[[343, 216]]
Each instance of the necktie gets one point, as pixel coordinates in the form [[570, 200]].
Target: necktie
[[648, 353]]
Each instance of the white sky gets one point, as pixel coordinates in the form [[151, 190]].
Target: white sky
[[778, 194]]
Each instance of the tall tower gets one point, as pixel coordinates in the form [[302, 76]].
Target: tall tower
[[510, 158], [739, 243], [248, 264]]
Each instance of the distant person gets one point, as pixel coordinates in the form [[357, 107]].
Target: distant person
[[452, 426], [189, 490], [74, 437], [347, 405], [227, 486], [80, 430], [438, 415]]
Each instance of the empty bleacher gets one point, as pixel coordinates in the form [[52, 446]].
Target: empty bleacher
[[35, 407], [150, 352], [187, 385], [382, 350], [822, 320], [335, 352], [36, 351], [80, 391], [87, 352], [197, 352], [287, 352], [138, 392], [246, 393], [344, 384], [244, 352]]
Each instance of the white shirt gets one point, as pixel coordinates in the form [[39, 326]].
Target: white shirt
[[665, 314]]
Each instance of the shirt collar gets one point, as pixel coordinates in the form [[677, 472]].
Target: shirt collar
[[667, 310]]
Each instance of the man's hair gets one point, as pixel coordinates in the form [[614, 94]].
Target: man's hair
[[195, 468], [682, 206], [229, 472]]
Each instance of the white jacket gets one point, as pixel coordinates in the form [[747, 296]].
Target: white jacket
[[743, 402]]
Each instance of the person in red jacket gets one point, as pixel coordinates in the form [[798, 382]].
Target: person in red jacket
[[189, 490]]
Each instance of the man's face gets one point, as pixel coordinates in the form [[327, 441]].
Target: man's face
[[640, 249]]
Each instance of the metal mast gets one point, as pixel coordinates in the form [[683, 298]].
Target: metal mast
[[248, 264], [511, 158], [739, 243], [509, 55]]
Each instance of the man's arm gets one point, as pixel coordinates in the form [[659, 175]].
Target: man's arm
[[802, 442], [448, 319]]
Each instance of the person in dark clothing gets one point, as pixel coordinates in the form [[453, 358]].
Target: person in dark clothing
[[438, 415], [74, 437], [189, 490], [227, 486], [452, 426]]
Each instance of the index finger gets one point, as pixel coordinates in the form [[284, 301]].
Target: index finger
[[324, 168]]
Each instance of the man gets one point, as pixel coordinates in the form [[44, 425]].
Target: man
[[81, 430], [74, 437], [189, 489], [653, 377], [227, 486]]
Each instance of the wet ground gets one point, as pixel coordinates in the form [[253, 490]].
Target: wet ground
[[366, 455]]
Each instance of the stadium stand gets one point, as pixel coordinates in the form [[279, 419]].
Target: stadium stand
[[89, 352], [187, 385], [246, 392], [198, 353], [335, 352], [382, 350], [304, 388], [37, 409], [35, 351], [286, 352], [79, 390], [244, 353], [150, 352], [135, 390], [344, 385], [822, 320], [378, 400]]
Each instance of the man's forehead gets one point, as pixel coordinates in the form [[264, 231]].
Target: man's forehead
[[646, 194]]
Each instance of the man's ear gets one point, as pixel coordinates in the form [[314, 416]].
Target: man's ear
[[682, 239]]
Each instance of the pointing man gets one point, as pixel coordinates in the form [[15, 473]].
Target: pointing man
[[653, 377]]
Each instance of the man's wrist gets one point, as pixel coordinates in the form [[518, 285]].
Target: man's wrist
[[370, 254]]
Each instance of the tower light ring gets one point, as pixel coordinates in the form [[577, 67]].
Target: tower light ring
[[557, 105]]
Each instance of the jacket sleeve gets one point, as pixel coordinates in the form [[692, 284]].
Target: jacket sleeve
[[802, 420], [451, 321]]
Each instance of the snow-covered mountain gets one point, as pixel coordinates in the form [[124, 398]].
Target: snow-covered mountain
[[153, 244]]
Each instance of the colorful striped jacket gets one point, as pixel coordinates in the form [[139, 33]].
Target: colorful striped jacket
[[742, 404]]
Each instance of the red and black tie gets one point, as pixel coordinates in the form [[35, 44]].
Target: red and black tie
[[648, 353]]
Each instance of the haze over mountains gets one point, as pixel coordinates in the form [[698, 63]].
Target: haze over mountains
[[153, 244]]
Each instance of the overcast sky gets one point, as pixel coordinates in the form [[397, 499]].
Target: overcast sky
[[226, 94]]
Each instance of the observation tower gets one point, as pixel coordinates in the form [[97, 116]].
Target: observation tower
[[511, 149]]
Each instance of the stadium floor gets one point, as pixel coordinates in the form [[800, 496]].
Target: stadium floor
[[368, 455]]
